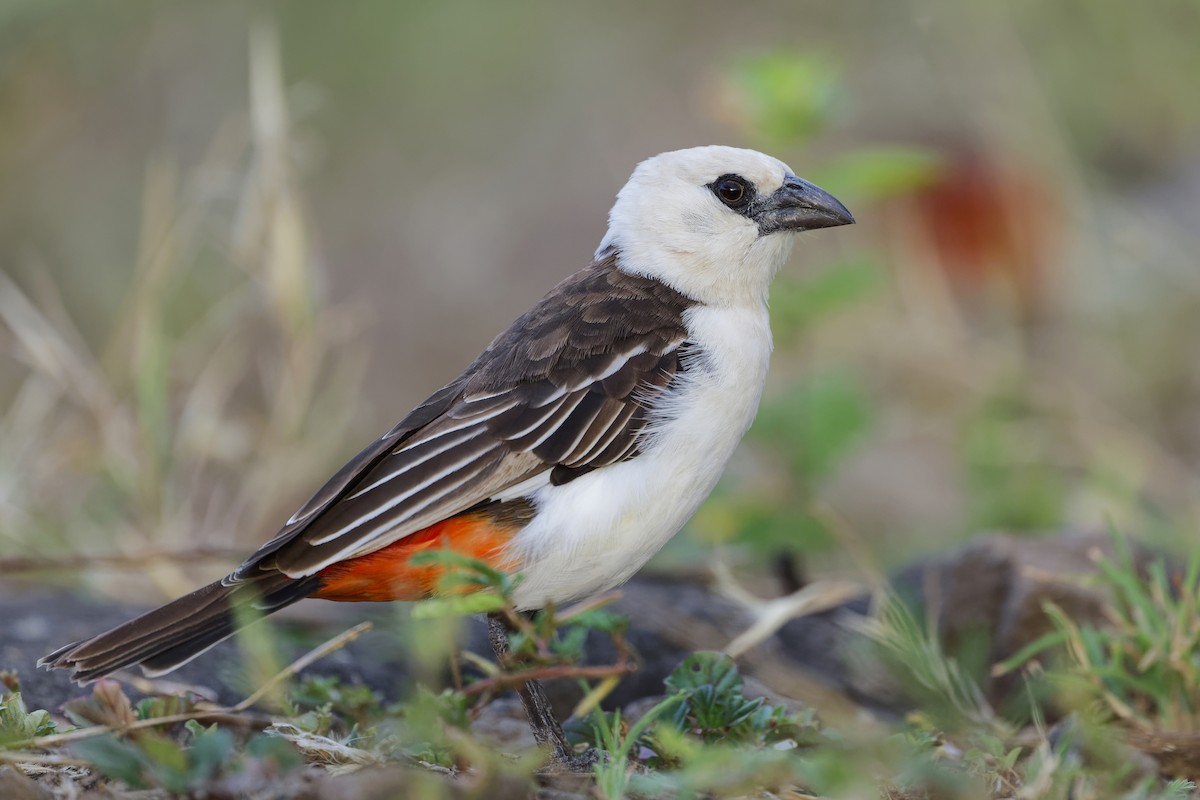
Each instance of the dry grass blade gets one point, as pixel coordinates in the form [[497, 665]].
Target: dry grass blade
[[49, 352], [50, 760], [322, 749], [774, 614], [508, 680]]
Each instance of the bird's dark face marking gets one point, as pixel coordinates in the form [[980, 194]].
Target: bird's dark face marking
[[795, 206]]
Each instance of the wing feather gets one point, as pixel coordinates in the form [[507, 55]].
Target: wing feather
[[545, 428], [564, 391], [418, 454]]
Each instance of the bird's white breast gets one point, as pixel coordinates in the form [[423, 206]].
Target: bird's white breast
[[595, 532]]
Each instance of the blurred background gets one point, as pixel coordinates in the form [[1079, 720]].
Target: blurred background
[[237, 241]]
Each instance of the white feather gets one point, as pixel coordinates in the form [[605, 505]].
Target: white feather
[[669, 225], [595, 532]]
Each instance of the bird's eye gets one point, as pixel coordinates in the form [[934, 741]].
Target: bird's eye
[[732, 191]]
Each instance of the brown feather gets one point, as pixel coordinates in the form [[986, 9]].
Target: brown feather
[[600, 332], [172, 635], [564, 390]]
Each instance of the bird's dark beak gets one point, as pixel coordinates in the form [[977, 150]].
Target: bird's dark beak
[[800, 206]]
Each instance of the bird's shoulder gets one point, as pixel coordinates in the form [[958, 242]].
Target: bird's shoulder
[[576, 329]]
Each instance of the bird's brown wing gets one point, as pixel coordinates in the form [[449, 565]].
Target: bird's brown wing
[[561, 392]]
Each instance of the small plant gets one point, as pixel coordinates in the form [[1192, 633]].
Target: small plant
[[938, 684], [213, 757], [706, 720], [719, 770], [1144, 664], [322, 701], [715, 709], [434, 726], [18, 723], [216, 391], [616, 740]]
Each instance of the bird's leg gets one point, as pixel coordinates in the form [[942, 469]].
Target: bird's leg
[[545, 726]]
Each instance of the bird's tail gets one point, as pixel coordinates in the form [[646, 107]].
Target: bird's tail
[[170, 636]]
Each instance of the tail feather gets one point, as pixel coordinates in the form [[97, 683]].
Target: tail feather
[[170, 636]]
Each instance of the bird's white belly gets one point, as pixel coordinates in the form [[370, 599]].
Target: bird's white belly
[[595, 532]]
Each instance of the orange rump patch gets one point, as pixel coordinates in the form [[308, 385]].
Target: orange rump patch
[[387, 574]]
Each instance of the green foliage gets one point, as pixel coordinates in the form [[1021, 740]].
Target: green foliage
[[429, 720], [1144, 664], [480, 602], [18, 723], [816, 424], [567, 641], [714, 708], [1013, 481], [798, 305], [463, 573], [705, 734], [1178, 789], [466, 585], [320, 700], [1115, 670], [868, 174], [946, 694], [153, 760], [613, 771], [717, 770], [163, 706], [784, 96]]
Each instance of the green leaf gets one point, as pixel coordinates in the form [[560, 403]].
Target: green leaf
[[458, 605], [799, 305], [1039, 645], [817, 423], [452, 559], [275, 750], [210, 750], [784, 97], [705, 669], [196, 729], [116, 759], [166, 760], [17, 722], [569, 643], [876, 174], [601, 619]]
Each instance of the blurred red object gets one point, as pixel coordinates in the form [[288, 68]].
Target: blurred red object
[[989, 224]]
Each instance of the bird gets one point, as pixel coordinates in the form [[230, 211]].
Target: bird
[[569, 452]]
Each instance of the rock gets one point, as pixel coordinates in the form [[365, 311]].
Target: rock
[[16, 786]]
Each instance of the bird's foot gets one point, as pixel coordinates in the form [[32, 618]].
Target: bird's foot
[[574, 762]]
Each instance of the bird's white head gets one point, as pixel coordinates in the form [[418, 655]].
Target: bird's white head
[[715, 223]]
